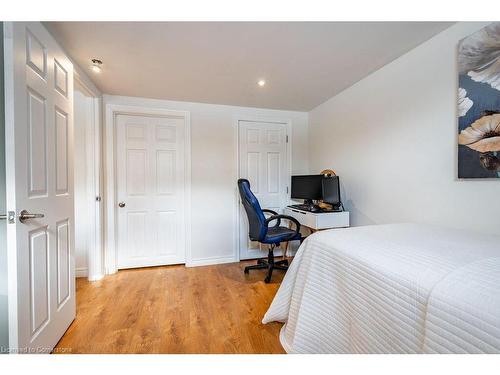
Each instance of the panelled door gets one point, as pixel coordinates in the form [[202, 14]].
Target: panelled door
[[263, 161], [39, 149], [150, 190]]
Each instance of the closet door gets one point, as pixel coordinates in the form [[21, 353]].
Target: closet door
[[262, 160]]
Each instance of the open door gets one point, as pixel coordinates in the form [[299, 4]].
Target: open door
[[39, 170]]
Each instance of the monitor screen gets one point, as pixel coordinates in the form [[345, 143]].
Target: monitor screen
[[307, 187], [331, 190]]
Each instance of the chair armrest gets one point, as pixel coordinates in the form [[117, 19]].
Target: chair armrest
[[267, 210], [286, 217]]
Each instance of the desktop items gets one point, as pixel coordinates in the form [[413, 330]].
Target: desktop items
[[331, 191], [307, 187], [312, 188], [328, 172]]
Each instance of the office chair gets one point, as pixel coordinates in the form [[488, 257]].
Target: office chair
[[259, 230]]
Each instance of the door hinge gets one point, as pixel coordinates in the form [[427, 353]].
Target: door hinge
[[287, 189], [287, 138]]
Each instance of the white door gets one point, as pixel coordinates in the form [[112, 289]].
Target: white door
[[39, 162], [263, 161], [150, 190]]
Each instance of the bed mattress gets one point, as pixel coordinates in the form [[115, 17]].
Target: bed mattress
[[398, 288]]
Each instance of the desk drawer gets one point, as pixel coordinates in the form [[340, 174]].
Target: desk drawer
[[321, 220], [304, 218]]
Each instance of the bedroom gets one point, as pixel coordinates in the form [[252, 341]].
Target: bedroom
[[156, 129]]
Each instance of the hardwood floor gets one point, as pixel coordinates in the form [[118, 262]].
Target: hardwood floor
[[174, 309]]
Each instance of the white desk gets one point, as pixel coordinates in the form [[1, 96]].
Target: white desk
[[319, 221]]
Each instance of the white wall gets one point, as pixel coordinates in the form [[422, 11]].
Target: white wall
[[392, 138], [82, 114], [214, 168], [81, 121]]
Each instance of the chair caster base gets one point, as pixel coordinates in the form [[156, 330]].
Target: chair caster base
[[261, 265], [268, 264]]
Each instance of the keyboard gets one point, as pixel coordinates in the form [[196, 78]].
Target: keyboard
[[306, 207], [314, 209]]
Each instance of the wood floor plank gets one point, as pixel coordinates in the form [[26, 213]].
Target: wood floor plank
[[174, 309]]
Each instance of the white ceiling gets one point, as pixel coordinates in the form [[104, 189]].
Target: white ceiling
[[304, 63]]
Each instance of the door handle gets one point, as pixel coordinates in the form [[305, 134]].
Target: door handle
[[25, 215], [121, 204]]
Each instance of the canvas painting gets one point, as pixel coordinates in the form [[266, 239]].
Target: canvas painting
[[479, 104]]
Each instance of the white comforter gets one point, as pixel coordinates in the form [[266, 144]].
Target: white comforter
[[399, 288]]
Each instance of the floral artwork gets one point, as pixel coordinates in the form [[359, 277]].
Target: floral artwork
[[479, 104]]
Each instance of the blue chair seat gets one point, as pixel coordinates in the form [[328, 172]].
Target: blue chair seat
[[280, 234]]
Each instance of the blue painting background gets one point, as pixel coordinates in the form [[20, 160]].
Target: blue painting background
[[484, 98]]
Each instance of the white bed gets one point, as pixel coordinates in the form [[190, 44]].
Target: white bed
[[399, 288]]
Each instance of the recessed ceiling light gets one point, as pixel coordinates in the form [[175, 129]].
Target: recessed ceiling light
[[96, 66], [261, 82]]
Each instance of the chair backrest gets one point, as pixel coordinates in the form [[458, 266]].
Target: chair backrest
[[256, 227]]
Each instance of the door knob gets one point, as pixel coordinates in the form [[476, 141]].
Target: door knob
[[25, 215], [121, 204]]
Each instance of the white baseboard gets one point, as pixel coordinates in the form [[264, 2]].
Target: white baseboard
[[96, 277], [81, 272], [211, 261]]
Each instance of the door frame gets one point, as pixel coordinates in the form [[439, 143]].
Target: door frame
[[94, 178], [112, 111], [289, 134]]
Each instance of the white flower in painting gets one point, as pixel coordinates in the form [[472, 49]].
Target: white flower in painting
[[489, 74], [483, 135], [479, 55], [464, 103]]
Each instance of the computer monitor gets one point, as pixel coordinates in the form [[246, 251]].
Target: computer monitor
[[307, 187], [331, 190]]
